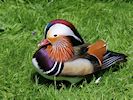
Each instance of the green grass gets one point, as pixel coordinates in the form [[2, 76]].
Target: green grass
[[105, 19]]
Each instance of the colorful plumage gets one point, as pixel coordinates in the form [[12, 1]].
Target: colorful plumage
[[64, 55]]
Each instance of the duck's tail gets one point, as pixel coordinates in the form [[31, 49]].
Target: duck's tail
[[111, 58]]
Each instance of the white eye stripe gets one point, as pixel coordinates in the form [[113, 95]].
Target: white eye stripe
[[60, 29]]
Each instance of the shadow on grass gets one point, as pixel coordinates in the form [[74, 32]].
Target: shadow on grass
[[38, 79]]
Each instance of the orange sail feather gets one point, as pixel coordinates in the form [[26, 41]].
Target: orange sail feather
[[98, 50]]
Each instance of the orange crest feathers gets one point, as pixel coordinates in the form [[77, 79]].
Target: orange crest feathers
[[98, 50]]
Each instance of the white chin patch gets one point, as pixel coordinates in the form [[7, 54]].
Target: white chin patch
[[61, 29]]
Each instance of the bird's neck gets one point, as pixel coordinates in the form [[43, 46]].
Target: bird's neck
[[61, 51]]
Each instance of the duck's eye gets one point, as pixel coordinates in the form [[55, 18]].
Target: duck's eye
[[55, 35]]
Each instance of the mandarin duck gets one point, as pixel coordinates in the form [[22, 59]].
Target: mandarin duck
[[63, 55]]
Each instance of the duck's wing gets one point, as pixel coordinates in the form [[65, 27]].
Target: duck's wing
[[105, 57], [81, 49], [91, 58], [97, 50]]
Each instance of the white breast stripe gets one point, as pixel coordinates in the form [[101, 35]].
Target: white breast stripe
[[58, 69], [49, 71], [35, 63]]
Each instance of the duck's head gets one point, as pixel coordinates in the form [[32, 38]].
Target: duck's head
[[60, 37], [59, 29]]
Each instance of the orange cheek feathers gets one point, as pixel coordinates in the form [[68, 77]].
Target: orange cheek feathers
[[52, 40]]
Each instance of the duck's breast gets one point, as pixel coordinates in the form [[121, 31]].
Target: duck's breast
[[44, 64]]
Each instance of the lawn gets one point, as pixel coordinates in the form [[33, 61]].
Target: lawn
[[95, 19]]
